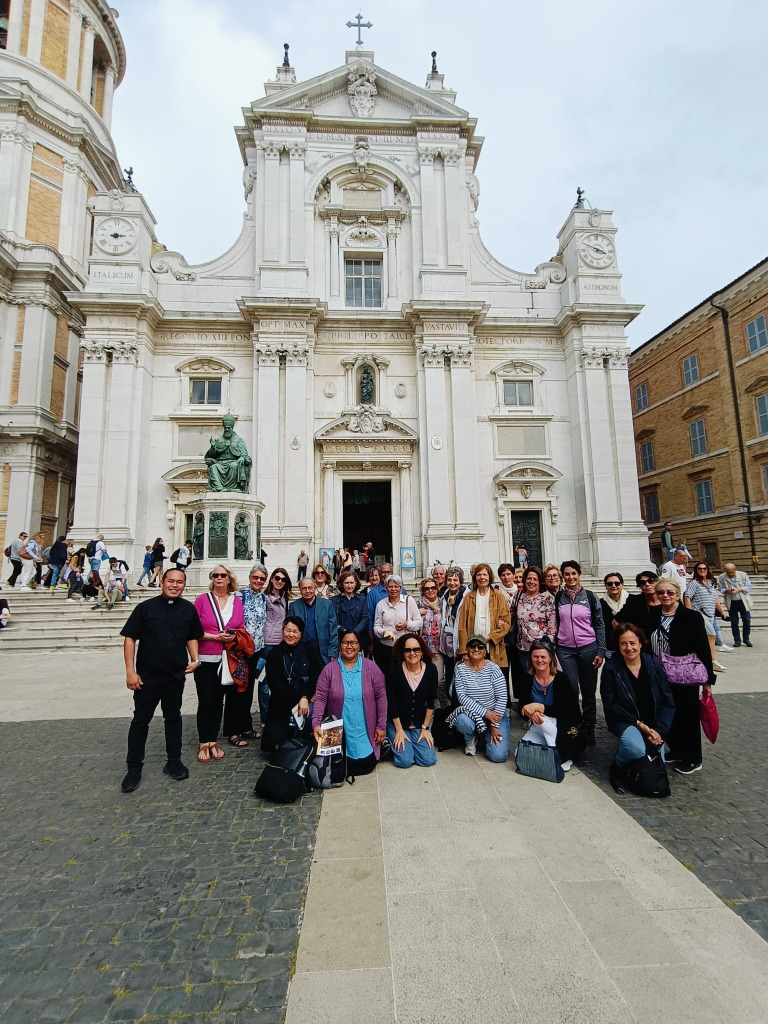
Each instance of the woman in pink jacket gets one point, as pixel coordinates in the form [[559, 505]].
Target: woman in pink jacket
[[352, 688]]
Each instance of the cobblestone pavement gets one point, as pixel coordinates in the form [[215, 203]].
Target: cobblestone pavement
[[178, 902], [716, 821]]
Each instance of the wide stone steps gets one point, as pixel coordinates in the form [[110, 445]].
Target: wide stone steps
[[42, 617]]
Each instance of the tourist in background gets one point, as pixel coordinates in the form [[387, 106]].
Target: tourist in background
[[580, 640], [16, 547], [411, 694], [737, 587], [158, 556], [220, 606], [703, 596], [681, 631], [676, 569], [57, 559], [302, 562], [146, 568]]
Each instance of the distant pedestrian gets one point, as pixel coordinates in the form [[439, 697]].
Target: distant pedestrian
[[667, 544], [146, 569], [158, 556], [167, 630], [302, 562], [14, 556], [182, 556], [737, 586], [676, 569], [522, 556]]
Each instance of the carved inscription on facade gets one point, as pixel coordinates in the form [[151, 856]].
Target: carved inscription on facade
[[364, 336], [204, 336]]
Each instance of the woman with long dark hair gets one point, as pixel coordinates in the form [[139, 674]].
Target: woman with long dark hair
[[411, 694]]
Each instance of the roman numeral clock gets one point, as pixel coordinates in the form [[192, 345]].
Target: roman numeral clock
[[115, 235]]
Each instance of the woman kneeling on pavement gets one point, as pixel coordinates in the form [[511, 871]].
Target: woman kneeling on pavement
[[292, 672], [552, 706], [411, 695], [352, 688], [481, 692], [637, 699]]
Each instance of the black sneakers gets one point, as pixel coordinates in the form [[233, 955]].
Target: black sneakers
[[131, 780], [177, 770]]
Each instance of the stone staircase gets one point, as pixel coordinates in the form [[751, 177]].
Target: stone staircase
[[42, 618]]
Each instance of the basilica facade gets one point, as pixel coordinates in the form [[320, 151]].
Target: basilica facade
[[392, 381]]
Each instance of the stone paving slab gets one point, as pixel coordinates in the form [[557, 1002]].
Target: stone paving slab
[[181, 901], [716, 821]]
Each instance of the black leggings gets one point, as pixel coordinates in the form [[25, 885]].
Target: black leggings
[[211, 696]]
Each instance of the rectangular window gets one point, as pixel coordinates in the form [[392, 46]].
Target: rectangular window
[[651, 502], [704, 501], [698, 438], [363, 281], [757, 335], [647, 460], [518, 392], [690, 370], [205, 392], [641, 397], [762, 414]]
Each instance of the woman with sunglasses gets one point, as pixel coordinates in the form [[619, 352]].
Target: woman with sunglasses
[[703, 596], [411, 695], [637, 700], [255, 619], [481, 692], [553, 579], [551, 705], [352, 688], [643, 609], [615, 599], [681, 631], [431, 615], [323, 582], [219, 607]]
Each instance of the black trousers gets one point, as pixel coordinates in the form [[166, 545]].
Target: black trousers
[[684, 737], [167, 690], [382, 655], [16, 563]]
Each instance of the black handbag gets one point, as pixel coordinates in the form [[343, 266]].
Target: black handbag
[[647, 775], [285, 778]]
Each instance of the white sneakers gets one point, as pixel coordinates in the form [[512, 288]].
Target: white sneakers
[[567, 765], [718, 667], [470, 748], [724, 649]]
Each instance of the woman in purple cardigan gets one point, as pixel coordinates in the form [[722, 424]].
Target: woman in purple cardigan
[[353, 689]]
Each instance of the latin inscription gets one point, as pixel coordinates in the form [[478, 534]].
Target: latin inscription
[[365, 336], [199, 336], [600, 287]]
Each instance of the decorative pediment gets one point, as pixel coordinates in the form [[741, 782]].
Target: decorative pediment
[[365, 421], [204, 364], [695, 410], [758, 385], [518, 368], [527, 471], [188, 479], [645, 435]]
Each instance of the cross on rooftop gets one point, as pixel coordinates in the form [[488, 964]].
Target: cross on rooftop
[[359, 24]]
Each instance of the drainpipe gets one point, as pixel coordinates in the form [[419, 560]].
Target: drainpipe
[[739, 433]]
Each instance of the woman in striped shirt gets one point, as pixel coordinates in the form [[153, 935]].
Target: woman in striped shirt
[[481, 691]]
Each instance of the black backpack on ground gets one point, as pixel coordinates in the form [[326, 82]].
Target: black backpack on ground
[[647, 775], [445, 736], [285, 778], [327, 771]]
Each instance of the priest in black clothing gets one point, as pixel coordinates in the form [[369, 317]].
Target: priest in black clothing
[[167, 629]]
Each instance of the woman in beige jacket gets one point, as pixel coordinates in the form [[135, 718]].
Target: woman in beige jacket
[[485, 611]]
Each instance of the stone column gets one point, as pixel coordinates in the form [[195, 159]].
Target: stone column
[[92, 444], [15, 23], [297, 461], [73, 202], [36, 26], [73, 43], [464, 422], [329, 503], [620, 412], [37, 350], [433, 447], [392, 269], [296, 203], [454, 207], [406, 504], [271, 210], [267, 430], [429, 214], [118, 489], [16, 150], [110, 74], [333, 233], [25, 495], [86, 69]]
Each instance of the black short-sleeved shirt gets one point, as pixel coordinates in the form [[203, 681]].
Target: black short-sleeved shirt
[[163, 628]]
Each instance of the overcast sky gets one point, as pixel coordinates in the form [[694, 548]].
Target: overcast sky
[[657, 109]]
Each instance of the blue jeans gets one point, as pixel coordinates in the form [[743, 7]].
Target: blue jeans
[[737, 609], [145, 572], [577, 664], [632, 746], [55, 572], [416, 751], [496, 752]]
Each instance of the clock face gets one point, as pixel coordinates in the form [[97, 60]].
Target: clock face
[[597, 250], [115, 235]]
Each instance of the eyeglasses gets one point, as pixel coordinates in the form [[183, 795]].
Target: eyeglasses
[[430, 587], [613, 583], [263, 579], [219, 575], [702, 568], [667, 593], [412, 650], [350, 643]]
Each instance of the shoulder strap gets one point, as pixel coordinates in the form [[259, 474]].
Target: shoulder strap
[[217, 612]]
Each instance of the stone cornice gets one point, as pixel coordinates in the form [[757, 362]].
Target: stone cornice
[[582, 314], [254, 310], [137, 305]]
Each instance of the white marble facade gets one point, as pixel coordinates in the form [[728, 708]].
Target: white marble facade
[[358, 168]]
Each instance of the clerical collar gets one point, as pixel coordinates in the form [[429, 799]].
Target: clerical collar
[[170, 600]]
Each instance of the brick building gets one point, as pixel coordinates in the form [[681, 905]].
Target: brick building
[[60, 61], [700, 409]]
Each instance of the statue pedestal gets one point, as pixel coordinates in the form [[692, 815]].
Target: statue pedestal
[[226, 529]]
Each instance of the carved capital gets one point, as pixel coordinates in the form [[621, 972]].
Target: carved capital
[[125, 352], [271, 150], [433, 356], [16, 133], [329, 465], [427, 154], [297, 150], [266, 353], [461, 356], [296, 355], [74, 165]]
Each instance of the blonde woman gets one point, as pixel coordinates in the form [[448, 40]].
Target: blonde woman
[[220, 611]]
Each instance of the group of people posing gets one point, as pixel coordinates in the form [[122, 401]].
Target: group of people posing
[[470, 652]]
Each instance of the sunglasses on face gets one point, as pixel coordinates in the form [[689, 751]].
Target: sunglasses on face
[[613, 583], [279, 579], [667, 593], [219, 575], [644, 582], [431, 587], [475, 647], [412, 650]]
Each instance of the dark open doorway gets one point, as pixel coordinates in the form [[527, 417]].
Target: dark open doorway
[[526, 532], [368, 515]]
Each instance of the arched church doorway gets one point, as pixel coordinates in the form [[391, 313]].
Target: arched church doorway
[[367, 507]]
